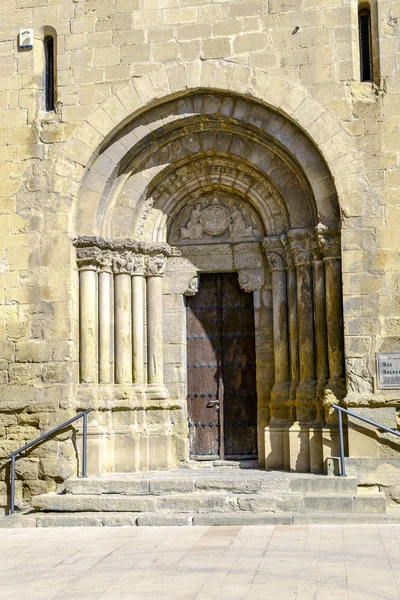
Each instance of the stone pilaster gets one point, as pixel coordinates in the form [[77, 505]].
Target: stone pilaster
[[329, 243]]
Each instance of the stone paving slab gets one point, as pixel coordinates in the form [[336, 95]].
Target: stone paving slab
[[300, 562]]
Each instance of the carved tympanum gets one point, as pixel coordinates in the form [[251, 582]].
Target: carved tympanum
[[211, 218]]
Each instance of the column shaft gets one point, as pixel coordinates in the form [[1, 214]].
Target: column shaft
[[306, 322], [123, 328], [281, 345], [105, 281], [294, 340], [334, 318], [155, 329], [321, 342], [88, 326], [138, 328]]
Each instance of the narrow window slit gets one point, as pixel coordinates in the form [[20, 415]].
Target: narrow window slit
[[364, 24], [49, 72]]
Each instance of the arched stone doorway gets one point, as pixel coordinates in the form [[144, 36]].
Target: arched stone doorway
[[209, 182]]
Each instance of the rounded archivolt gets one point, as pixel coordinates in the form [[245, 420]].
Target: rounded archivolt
[[205, 142]]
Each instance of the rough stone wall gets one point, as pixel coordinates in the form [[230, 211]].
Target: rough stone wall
[[102, 44]]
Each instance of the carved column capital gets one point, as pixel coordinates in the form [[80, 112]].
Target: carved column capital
[[155, 265], [88, 259], [301, 246], [249, 281], [328, 241], [275, 253], [106, 261]]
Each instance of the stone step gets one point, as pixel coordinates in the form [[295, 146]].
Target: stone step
[[198, 502], [111, 519], [240, 483]]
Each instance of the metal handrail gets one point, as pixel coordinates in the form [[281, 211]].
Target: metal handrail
[[341, 410], [12, 456]]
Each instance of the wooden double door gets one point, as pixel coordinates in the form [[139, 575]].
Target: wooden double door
[[222, 397]]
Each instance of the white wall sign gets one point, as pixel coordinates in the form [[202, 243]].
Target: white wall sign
[[388, 366]]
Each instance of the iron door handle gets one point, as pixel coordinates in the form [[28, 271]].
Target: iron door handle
[[213, 403]]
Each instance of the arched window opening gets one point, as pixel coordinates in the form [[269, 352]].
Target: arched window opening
[[364, 25], [49, 74]]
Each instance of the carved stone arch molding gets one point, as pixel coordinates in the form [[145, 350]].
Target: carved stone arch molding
[[210, 181]]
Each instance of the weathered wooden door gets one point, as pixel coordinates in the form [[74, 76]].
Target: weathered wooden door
[[222, 398]]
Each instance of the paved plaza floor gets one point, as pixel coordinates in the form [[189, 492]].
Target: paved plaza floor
[[300, 562]]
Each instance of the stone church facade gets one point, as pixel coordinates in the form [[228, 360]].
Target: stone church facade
[[199, 210]]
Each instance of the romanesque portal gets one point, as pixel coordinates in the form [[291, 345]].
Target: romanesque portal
[[208, 250]]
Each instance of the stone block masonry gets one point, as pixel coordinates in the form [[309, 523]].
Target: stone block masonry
[[159, 102]]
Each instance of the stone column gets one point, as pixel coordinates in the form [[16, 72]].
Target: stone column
[[155, 269], [122, 266], [293, 328], [105, 305], [300, 432], [321, 342], [280, 392], [300, 245], [87, 260], [138, 282], [329, 243], [276, 432]]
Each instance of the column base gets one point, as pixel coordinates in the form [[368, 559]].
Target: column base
[[304, 445], [276, 446]]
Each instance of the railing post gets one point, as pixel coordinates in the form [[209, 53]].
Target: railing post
[[12, 492], [342, 465], [84, 451]]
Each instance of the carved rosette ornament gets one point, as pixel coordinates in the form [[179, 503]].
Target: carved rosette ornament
[[328, 241]]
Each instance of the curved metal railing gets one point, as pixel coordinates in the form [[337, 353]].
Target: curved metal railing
[[83, 415]]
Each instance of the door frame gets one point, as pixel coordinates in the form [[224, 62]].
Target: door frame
[[181, 279]]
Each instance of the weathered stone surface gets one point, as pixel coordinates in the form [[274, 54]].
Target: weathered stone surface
[[156, 520], [292, 136]]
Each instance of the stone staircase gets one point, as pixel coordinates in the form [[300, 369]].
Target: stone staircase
[[222, 495]]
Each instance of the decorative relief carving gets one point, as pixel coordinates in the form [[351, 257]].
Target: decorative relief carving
[[192, 287], [148, 205], [88, 259], [155, 265], [249, 281], [288, 254], [300, 246], [328, 241], [210, 218], [123, 256], [275, 253]]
